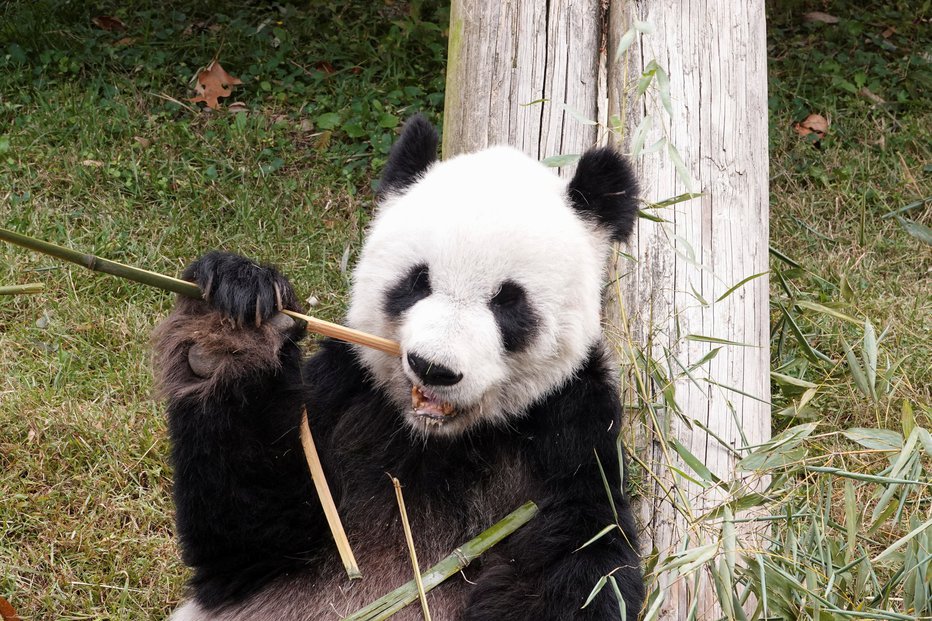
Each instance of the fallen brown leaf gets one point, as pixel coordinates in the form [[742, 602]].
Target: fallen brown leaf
[[7, 611], [145, 143], [125, 41], [819, 16], [92, 163], [889, 32], [109, 23], [324, 66], [213, 82], [812, 124]]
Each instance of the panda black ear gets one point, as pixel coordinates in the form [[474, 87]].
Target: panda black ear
[[604, 190], [410, 156]]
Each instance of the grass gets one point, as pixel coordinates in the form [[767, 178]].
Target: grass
[[99, 150]]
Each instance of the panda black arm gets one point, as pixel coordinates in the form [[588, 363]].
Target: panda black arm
[[229, 368], [541, 573]]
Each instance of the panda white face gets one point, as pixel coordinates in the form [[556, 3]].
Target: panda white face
[[489, 278]]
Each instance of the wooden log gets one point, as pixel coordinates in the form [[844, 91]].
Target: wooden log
[[524, 73], [715, 56]]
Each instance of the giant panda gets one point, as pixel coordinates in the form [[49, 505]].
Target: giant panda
[[488, 269]]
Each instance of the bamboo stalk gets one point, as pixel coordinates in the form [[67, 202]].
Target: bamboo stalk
[[33, 287], [326, 500], [391, 603], [189, 289], [409, 538]]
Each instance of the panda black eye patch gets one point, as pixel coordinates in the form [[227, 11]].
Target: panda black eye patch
[[411, 289], [514, 315]]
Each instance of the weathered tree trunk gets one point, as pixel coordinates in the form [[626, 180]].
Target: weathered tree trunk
[[514, 68]]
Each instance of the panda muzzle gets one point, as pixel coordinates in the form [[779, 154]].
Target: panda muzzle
[[428, 405]]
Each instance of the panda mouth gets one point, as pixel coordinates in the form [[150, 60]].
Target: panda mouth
[[430, 408]]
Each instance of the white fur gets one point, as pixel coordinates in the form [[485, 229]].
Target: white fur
[[477, 220]]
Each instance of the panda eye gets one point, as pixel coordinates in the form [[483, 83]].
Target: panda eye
[[509, 294], [420, 279], [412, 288]]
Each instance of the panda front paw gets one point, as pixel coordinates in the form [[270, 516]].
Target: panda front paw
[[241, 289]]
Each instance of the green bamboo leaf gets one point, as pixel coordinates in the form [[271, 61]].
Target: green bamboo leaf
[[674, 200], [643, 26], [780, 450], [869, 356], [663, 86], [640, 135], [700, 338], [730, 541], [926, 439], [857, 373], [698, 296], [916, 229], [811, 352], [595, 590], [721, 577], [689, 559], [654, 602], [681, 171], [740, 284], [875, 439], [626, 40], [709, 356], [851, 520], [622, 605], [789, 380], [644, 83], [693, 462], [909, 207], [907, 418], [556, 161], [649, 216], [654, 148], [576, 114], [826, 310], [597, 536], [896, 545], [860, 476], [784, 258]]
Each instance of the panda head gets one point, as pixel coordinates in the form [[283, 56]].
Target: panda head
[[488, 269]]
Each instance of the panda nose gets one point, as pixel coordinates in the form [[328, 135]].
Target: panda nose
[[431, 373]]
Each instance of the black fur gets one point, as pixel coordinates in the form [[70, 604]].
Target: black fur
[[410, 156], [605, 190], [411, 289], [515, 316], [247, 513]]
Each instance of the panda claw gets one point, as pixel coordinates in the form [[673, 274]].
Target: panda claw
[[208, 287], [278, 297]]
